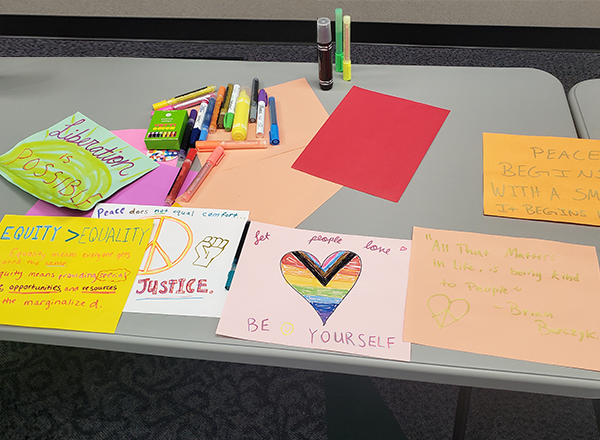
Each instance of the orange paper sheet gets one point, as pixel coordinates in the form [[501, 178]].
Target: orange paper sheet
[[520, 298], [262, 181], [542, 178]]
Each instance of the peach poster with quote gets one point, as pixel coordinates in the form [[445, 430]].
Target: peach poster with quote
[[521, 298]]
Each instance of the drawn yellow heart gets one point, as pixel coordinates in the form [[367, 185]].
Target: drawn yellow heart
[[447, 311]]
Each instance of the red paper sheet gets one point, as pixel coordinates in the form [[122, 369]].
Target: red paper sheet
[[372, 143]]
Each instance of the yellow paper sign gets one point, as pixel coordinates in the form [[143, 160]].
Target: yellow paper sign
[[67, 272], [520, 298], [541, 178]]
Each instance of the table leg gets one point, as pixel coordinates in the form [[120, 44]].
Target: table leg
[[462, 412], [356, 410], [596, 405]]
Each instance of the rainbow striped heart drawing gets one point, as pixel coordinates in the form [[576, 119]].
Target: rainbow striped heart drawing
[[324, 285]]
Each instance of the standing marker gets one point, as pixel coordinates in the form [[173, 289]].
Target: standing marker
[[324, 50], [260, 114], [347, 75], [254, 100], [339, 45], [274, 131]]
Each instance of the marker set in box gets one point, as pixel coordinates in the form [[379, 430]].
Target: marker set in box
[[166, 130]]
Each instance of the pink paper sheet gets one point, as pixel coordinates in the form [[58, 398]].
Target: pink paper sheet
[[372, 142], [350, 299], [150, 189]]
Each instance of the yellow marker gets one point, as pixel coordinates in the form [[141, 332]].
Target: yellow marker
[[186, 97], [347, 65], [239, 130]]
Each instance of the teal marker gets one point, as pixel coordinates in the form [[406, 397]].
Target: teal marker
[[339, 45]]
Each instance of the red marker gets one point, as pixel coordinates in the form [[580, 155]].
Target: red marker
[[183, 172]]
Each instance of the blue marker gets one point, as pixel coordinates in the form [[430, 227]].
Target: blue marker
[[207, 117], [198, 125], [274, 131]]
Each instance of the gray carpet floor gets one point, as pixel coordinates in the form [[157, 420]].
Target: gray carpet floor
[[49, 392]]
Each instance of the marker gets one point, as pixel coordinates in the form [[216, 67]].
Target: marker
[[210, 108], [198, 124], [185, 97], [187, 104], [228, 122], [212, 161], [213, 121], [225, 106], [204, 146], [274, 131], [189, 93], [254, 100], [324, 50], [181, 176], [260, 113], [236, 257], [339, 45], [239, 129], [347, 67], [185, 142]]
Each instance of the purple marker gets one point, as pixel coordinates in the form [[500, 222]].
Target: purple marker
[[260, 113]]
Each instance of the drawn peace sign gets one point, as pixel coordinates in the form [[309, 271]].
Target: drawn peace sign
[[170, 243], [447, 311]]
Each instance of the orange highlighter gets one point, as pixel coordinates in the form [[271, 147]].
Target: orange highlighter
[[212, 161], [213, 121]]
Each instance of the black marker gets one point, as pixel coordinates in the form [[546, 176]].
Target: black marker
[[254, 100], [325, 49]]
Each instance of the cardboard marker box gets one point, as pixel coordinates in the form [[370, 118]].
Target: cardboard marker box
[[165, 131]]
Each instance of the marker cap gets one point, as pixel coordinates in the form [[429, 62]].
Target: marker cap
[[239, 133], [216, 156], [347, 71], [274, 135], [262, 96], [160, 104], [339, 61], [323, 30], [228, 121], [339, 45]]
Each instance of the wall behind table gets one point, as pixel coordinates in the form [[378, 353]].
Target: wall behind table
[[570, 24]]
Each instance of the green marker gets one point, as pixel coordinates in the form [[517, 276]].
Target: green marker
[[228, 122], [339, 46]]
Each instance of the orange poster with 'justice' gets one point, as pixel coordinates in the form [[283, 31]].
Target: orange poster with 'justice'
[[520, 298]]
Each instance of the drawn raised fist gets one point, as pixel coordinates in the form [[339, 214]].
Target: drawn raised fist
[[209, 249]]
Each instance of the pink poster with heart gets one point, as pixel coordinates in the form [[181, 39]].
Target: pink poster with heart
[[320, 290]]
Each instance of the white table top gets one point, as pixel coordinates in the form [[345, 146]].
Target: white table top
[[445, 193]]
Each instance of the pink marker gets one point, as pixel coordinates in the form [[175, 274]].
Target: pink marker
[[212, 161]]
